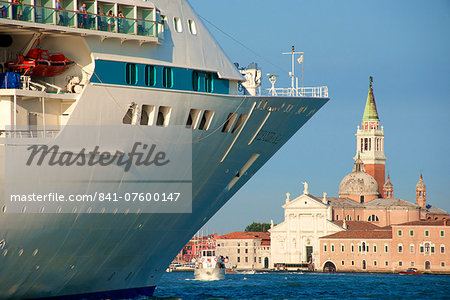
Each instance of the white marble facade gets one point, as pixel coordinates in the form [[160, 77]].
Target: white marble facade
[[296, 239]]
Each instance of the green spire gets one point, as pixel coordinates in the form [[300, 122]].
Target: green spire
[[370, 111]]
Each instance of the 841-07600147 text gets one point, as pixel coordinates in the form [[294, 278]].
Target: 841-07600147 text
[[98, 196]]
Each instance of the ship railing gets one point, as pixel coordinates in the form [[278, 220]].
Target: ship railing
[[315, 92], [29, 133], [77, 19]]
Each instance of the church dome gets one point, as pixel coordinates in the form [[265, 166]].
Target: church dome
[[358, 182]]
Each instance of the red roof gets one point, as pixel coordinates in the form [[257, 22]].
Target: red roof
[[242, 235], [426, 223], [360, 234], [357, 225]]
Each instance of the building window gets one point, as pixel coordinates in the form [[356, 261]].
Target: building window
[[411, 248], [195, 81], [412, 264], [342, 262], [239, 244], [348, 218], [442, 264], [357, 217], [427, 233], [421, 249], [442, 233], [411, 233], [246, 250], [432, 249], [325, 247], [246, 259], [442, 249], [400, 248], [192, 28], [246, 244], [254, 259], [342, 248], [399, 233], [150, 75], [238, 251], [374, 262], [374, 218], [386, 263], [374, 248], [167, 77], [259, 259], [238, 259], [209, 82], [400, 263], [337, 217], [427, 248], [131, 73], [332, 247], [353, 248], [353, 262], [177, 24]]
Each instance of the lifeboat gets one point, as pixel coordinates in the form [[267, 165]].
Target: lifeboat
[[39, 62]]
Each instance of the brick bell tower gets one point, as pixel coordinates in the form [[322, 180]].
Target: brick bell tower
[[370, 141]]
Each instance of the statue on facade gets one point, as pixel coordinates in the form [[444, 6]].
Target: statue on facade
[[305, 187]]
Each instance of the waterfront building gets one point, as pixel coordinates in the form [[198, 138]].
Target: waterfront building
[[296, 239], [420, 244], [365, 197], [245, 250]]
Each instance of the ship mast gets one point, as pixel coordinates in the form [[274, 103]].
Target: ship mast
[[292, 73]]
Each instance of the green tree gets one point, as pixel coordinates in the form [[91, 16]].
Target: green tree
[[257, 227]]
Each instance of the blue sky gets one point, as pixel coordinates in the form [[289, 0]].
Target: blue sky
[[404, 45]]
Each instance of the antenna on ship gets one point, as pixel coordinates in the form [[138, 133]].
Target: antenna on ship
[[294, 89], [272, 79]]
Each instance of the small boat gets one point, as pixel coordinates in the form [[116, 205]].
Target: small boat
[[39, 62], [210, 268], [410, 271], [230, 271]]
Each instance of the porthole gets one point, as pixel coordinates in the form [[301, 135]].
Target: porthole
[[150, 75], [192, 27], [177, 24], [131, 73]]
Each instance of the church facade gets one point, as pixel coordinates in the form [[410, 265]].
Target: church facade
[[365, 209]]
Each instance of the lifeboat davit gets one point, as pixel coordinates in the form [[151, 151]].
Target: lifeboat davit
[[39, 62]]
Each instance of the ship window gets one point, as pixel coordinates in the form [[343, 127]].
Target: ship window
[[167, 77], [240, 121], [192, 28], [163, 116], [192, 119], [195, 81], [147, 115], [131, 73], [206, 120], [130, 116], [229, 122], [150, 75], [177, 24], [209, 82]]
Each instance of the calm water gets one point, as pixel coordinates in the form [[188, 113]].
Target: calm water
[[289, 286]]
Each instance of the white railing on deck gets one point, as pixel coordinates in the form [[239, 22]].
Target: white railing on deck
[[319, 92], [28, 133]]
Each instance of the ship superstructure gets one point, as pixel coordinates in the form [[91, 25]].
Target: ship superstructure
[[138, 64]]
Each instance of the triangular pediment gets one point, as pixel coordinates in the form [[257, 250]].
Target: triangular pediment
[[305, 201]]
